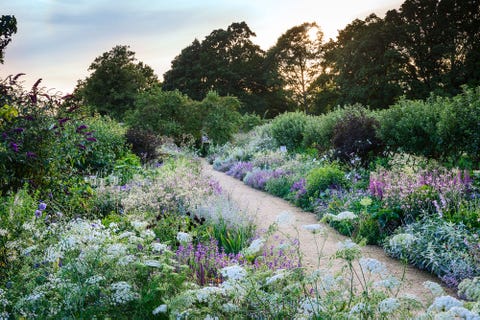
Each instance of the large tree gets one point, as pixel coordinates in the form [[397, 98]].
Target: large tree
[[8, 26], [442, 41], [228, 62], [297, 56], [364, 64], [115, 81]]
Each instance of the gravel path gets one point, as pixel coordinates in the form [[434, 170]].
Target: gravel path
[[266, 208]]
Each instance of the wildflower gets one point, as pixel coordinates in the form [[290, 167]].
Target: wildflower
[[184, 237], [434, 288], [366, 201], [81, 128], [255, 247], [313, 228], [463, 313], [279, 274], [160, 309], [358, 308], [234, 272], [18, 130], [152, 263], [204, 293], [444, 303], [14, 146], [159, 247], [209, 317], [38, 213], [122, 293], [345, 215], [285, 218], [3, 232], [94, 279], [30, 154], [42, 206], [348, 250], [139, 225], [388, 283], [388, 305], [91, 139], [373, 266], [402, 240], [230, 307]]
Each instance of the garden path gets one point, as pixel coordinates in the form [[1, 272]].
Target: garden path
[[316, 249]]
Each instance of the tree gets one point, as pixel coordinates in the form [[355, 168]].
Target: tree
[[442, 42], [364, 64], [8, 26], [115, 81], [297, 55], [228, 62]]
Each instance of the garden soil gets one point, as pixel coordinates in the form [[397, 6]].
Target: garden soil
[[316, 249]]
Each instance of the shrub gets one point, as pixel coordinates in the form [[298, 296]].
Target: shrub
[[458, 126], [280, 186], [258, 178], [323, 178], [355, 136], [288, 129], [144, 143], [411, 127], [436, 246]]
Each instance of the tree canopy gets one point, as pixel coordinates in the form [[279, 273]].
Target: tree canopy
[[115, 81], [228, 62], [8, 27]]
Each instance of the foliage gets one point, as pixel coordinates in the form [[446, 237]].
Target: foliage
[[8, 27], [355, 136], [228, 62], [326, 177], [426, 249], [296, 56], [279, 186], [288, 129], [144, 143], [115, 80]]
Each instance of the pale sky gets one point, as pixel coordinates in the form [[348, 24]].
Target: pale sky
[[58, 39]]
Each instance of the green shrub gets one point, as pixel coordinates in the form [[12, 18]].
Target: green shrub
[[320, 179], [459, 125], [280, 186], [288, 129], [411, 127], [250, 121]]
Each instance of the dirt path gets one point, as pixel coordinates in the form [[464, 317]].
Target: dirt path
[[266, 209]]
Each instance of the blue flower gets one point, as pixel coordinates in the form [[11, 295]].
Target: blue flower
[[42, 206]]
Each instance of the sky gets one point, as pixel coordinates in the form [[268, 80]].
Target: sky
[[57, 40]]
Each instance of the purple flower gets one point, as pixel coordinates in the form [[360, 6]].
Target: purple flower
[[42, 206], [139, 247], [38, 213], [92, 139], [299, 188], [18, 130], [14, 146], [30, 154], [4, 135], [63, 120], [240, 170], [81, 127], [81, 146]]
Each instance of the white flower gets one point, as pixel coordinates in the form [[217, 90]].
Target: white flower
[[279, 274], [309, 306], [345, 215], [209, 317], [347, 244], [444, 303], [313, 228], [152, 263], [126, 260], [160, 309], [159, 247], [122, 293], [285, 218], [28, 250], [184, 237], [434, 288], [52, 254], [126, 234], [94, 279], [139, 225], [4, 315], [255, 247], [402, 240], [358, 308], [388, 305], [373, 266], [3, 232], [230, 307], [147, 234], [203, 294], [388, 283], [116, 250], [234, 272]]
